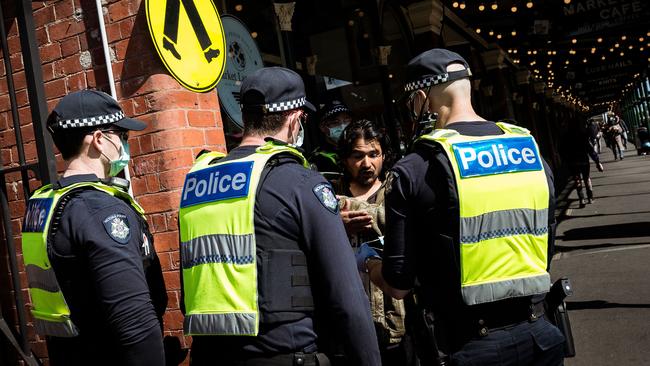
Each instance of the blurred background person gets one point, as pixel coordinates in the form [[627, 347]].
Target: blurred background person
[[594, 133], [578, 149], [643, 143], [613, 133], [324, 158]]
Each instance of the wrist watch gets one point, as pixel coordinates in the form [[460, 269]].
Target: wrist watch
[[369, 259]]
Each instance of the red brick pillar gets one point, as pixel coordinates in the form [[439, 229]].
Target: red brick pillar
[[180, 122]]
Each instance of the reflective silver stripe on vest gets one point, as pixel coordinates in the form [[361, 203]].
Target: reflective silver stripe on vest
[[498, 224], [42, 279], [494, 291], [57, 329], [218, 248], [220, 324]]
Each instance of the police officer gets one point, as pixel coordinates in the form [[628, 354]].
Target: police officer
[[94, 279], [470, 215], [335, 117], [263, 249]]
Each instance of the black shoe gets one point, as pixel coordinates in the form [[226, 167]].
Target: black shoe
[[211, 54], [590, 200], [169, 46], [582, 203]]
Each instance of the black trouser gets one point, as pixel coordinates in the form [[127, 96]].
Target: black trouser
[[581, 176], [399, 354], [86, 351], [529, 343], [291, 359]]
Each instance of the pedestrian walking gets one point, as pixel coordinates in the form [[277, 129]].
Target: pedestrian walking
[[614, 131], [578, 149]]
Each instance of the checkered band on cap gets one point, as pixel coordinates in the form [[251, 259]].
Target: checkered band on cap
[[426, 82], [285, 106], [90, 121], [335, 110]]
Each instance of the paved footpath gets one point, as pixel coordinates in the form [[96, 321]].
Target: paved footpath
[[604, 249]]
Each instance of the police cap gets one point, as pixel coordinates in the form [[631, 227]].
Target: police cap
[[274, 89], [90, 108], [430, 68], [332, 109]]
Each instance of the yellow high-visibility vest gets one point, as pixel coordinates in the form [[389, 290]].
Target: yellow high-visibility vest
[[503, 202], [218, 250], [50, 310]]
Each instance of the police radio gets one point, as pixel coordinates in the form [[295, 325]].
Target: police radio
[[427, 123], [557, 312], [424, 125]]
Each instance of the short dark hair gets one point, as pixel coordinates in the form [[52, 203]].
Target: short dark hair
[[256, 122], [367, 130], [70, 140]]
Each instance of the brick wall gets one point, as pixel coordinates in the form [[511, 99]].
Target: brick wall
[[180, 122]]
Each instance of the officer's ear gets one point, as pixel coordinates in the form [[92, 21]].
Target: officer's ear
[[418, 98], [97, 143]]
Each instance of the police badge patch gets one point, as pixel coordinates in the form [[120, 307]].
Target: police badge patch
[[325, 195], [117, 227], [390, 180]]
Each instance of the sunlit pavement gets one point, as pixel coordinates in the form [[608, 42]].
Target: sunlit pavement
[[604, 248]]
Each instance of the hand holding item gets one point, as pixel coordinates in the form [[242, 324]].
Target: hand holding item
[[354, 221]]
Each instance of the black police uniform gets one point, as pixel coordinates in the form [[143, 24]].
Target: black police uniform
[[422, 214], [115, 291], [289, 213]]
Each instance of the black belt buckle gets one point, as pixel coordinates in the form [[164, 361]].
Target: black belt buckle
[[303, 359], [482, 328]]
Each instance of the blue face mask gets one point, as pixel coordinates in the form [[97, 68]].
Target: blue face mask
[[335, 132], [122, 161]]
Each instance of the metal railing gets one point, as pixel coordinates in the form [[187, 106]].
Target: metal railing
[[44, 169]]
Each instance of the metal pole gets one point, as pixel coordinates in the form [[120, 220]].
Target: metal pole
[[11, 249], [36, 91], [24, 350], [9, 72], [107, 55], [109, 69]]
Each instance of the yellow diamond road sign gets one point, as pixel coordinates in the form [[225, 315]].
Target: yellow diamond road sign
[[189, 38]]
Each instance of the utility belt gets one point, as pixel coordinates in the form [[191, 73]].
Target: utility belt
[[288, 359], [479, 320], [494, 320]]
